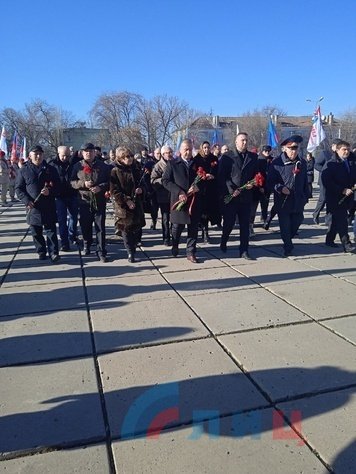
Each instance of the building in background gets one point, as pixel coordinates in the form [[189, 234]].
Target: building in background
[[75, 137]]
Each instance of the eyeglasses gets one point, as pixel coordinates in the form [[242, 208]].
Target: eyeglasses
[[293, 147]]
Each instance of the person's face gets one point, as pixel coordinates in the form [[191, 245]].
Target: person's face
[[206, 149], [112, 155], [88, 155], [144, 153], [126, 159], [186, 151], [266, 153], [241, 143], [63, 155], [343, 152], [36, 157], [157, 155], [291, 150], [224, 149], [167, 155]]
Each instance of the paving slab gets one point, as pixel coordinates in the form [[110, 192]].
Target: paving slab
[[337, 265], [328, 424], [344, 326], [165, 263], [287, 361], [79, 461], [188, 450], [117, 267], [113, 292], [317, 301], [49, 405], [140, 323], [42, 337], [201, 281], [41, 298], [68, 269], [270, 271], [243, 309], [192, 376]]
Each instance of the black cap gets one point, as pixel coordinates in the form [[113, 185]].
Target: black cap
[[266, 148], [87, 146], [292, 139], [37, 149]]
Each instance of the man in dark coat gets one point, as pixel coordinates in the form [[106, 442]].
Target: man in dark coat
[[321, 158], [67, 199], [236, 170], [91, 177], [339, 179], [178, 178], [287, 178], [36, 186]]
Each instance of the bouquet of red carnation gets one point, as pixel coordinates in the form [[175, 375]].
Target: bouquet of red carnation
[[88, 176], [296, 171], [258, 181], [179, 205]]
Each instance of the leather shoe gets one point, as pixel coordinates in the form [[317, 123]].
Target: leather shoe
[[192, 258], [174, 251], [331, 244], [131, 258], [246, 256], [102, 258], [223, 248], [349, 248], [42, 256], [87, 251], [55, 258]]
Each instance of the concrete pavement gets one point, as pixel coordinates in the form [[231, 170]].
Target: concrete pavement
[[164, 366]]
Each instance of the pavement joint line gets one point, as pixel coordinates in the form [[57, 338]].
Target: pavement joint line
[[108, 441], [82, 443], [338, 334], [3, 278], [315, 393], [263, 328]]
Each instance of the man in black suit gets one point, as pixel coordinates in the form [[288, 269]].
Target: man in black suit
[[178, 179], [339, 178], [235, 170], [320, 159]]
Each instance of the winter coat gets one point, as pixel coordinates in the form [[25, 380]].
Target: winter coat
[[310, 169], [209, 188], [4, 171], [156, 181], [235, 170], [30, 180], [13, 172], [64, 170], [291, 174], [123, 182], [336, 176], [99, 173], [177, 178]]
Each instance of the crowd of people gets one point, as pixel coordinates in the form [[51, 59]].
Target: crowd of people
[[218, 186]]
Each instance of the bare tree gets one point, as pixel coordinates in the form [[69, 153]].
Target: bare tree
[[255, 123], [347, 126]]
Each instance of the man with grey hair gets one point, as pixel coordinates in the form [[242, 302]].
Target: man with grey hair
[[67, 199], [162, 194]]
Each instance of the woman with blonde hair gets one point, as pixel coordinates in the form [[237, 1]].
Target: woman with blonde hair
[[127, 194]]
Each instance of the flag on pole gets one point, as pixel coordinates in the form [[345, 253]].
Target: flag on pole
[[317, 133], [3, 144], [14, 146], [272, 137], [23, 151]]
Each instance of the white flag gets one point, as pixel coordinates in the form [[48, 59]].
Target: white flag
[[3, 144], [317, 134]]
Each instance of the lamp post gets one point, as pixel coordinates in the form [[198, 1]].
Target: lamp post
[[316, 102]]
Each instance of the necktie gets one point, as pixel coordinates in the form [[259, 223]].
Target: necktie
[[347, 165]]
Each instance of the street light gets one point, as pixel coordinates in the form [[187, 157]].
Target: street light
[[316, 102]]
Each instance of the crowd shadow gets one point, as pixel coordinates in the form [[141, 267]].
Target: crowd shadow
[[59, 345], [226, 405]]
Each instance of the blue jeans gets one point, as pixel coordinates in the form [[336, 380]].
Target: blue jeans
[[67, 215]]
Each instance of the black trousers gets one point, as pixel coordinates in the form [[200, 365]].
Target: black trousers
[[192, 236], [131, 239], [50, 233], [87, 218], [263, 200], [243, 212], [165, 214], [337, 224], [289, 223]]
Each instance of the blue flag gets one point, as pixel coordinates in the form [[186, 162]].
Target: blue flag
[[272, 137]]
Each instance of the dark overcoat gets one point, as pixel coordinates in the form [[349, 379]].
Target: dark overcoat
[[209, 188], [282, 173], [99, 174], [30, 180], [336, 176], [123, 182], [176, 178]]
